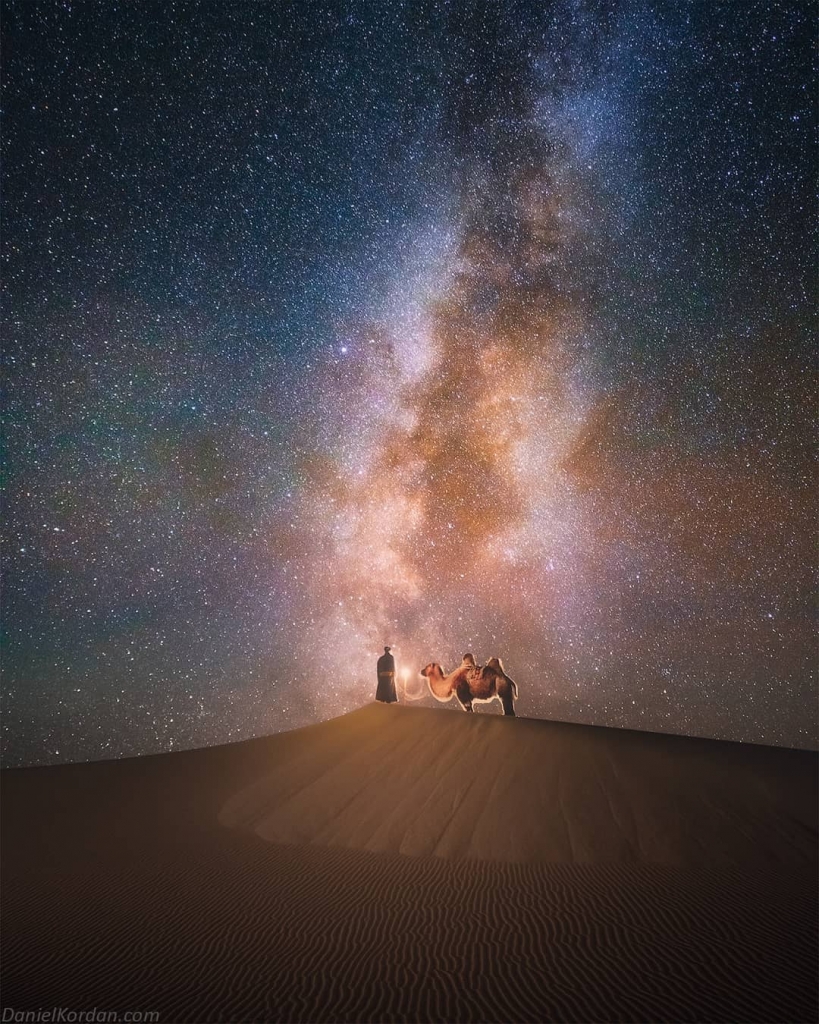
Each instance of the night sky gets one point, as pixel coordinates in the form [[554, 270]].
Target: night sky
[[453, 326]]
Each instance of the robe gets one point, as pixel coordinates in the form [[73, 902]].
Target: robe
[[386, 679]]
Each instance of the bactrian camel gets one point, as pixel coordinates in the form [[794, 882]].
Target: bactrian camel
[[470, 682]]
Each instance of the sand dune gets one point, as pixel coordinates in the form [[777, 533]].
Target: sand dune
[[403, 864], [409, 780]]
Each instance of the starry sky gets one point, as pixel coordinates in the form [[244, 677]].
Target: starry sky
[[448, 325]]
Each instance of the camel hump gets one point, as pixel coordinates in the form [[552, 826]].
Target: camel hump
[[496, 665]]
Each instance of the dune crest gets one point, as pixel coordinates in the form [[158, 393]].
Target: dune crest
[[425, 783]]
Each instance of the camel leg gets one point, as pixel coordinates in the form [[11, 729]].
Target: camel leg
[[464, 696], [507, 700]]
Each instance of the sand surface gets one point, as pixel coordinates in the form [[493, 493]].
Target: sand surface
[[411, 864]]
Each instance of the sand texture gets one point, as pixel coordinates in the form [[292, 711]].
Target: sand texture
[[411, 864]]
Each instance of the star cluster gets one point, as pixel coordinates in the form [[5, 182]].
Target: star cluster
[[444, 325]]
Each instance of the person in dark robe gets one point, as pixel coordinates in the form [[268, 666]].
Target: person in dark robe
[[386, 678]]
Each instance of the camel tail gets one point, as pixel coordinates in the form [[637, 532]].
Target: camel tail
[[514, 687]]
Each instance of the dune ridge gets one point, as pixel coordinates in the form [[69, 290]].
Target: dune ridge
[[122, 890]]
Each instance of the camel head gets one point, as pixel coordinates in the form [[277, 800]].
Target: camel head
[[469, 659], [433, 671]]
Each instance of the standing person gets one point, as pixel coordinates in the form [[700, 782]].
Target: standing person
[[386, 678]]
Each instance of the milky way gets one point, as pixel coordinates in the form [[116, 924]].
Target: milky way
[[448, 327]]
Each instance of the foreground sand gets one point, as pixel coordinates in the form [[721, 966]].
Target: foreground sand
[[414, 864]]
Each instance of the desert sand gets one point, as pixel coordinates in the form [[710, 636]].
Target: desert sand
[[413, 864]]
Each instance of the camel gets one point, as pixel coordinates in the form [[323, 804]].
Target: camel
[[470, 682]]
